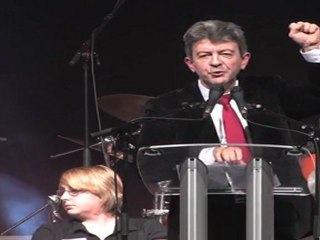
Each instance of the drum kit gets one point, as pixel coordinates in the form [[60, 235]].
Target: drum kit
[[125, 107]]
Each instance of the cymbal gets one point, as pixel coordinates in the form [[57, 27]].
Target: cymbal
[[125, 107]]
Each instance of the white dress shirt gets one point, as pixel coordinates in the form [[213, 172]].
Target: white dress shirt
[[312, 56], [206, 155], [216, 113]]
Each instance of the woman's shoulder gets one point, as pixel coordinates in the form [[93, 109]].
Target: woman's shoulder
[[56, 229], [151, 228]]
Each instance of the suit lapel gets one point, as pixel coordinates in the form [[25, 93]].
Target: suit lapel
[[201, 131]]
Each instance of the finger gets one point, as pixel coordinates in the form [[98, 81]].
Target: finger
[[240, 156], [238, 153], [234, 155], [217, 154], [296, 27], [227, 155], [313, 28], [293, 26], [307, 27]]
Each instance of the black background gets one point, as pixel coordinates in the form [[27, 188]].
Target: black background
[[141, 52]]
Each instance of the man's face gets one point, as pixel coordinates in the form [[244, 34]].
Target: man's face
[[217, 62]]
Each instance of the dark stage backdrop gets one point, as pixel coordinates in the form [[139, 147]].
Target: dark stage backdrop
[[140, 51]]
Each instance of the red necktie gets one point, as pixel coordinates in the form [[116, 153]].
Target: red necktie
[[232, 126]]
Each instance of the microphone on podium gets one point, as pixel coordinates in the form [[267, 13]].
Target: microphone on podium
[[214, 94]]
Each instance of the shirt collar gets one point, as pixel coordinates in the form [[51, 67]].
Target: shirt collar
[[205, 91], [76, 226]]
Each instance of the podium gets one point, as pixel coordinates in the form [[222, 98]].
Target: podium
[[169, 170]]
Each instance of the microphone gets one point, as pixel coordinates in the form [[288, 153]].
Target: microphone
[[237, 95], [214, 94], [54, 202]]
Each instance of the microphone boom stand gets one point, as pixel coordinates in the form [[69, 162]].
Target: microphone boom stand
[[26, 218], [87, 52]]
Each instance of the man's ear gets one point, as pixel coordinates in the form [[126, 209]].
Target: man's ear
[[189, 62], [245, 60]]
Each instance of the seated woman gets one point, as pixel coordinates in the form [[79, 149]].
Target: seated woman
[[92, 197]]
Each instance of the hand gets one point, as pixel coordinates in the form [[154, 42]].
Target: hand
[[306, 34], [228, 154]]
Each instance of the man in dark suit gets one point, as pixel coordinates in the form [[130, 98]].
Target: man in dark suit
[[217, 52]]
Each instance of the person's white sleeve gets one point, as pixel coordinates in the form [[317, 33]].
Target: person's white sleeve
[[312, 183], [206, 156], [312, 56]]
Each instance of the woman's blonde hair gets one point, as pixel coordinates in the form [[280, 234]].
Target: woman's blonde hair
[[99, 180]]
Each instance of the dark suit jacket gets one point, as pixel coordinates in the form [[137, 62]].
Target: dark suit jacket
[[268, 93]]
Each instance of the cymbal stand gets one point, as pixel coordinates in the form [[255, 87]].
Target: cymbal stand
[[126, 148], [73, 151], [85, 54]]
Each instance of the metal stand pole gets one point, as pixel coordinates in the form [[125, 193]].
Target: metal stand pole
[[259, 201], [193, 200]]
